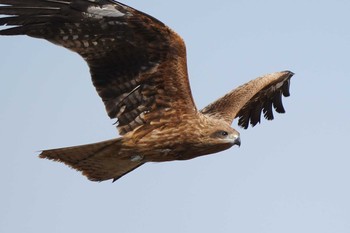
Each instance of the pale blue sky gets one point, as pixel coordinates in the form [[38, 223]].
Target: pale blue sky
[[290, 175]]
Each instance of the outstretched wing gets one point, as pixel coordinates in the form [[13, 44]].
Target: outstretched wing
[[137, 64], [249, 100]]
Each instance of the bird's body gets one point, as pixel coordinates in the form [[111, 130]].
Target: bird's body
[[179, 140], [139, 69]]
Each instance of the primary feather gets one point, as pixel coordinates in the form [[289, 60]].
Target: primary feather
[[138, 67]]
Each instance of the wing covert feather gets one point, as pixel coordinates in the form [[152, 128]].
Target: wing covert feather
[[138, 65], [248, 101]]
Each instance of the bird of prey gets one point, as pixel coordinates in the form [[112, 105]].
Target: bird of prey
[[138, 67]]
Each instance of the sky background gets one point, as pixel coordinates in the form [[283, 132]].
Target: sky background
[[290, 175]]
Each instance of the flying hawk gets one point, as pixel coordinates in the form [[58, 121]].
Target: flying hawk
[[138, 66]]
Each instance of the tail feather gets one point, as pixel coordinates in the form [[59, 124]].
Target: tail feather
[[98, 161]]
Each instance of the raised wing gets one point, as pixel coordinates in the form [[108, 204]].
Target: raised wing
[[249, 100], [137, 64]]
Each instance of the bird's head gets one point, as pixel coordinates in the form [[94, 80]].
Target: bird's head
[[226, 135], [218, 135]]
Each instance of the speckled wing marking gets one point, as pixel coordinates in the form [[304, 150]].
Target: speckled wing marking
[[248, 101], [137, 64]]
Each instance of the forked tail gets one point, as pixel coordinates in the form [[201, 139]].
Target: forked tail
[[98, 161]]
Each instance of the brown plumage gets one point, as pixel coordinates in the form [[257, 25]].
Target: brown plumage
[[138, 66]]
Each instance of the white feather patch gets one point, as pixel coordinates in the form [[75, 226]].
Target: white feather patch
[[136, 158], [105, 11]]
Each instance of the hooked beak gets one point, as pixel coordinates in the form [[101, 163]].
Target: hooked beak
[[237, 142]]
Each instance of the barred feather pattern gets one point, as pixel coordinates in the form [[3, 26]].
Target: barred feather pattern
[[265, 101], [137, 64], [139, 69], [250, 100], [98, 161]]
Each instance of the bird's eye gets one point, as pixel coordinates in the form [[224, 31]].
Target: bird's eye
[[220, 134], [224, 133]]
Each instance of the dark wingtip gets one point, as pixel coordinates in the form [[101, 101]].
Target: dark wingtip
[[286, 84], [289, 73]]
